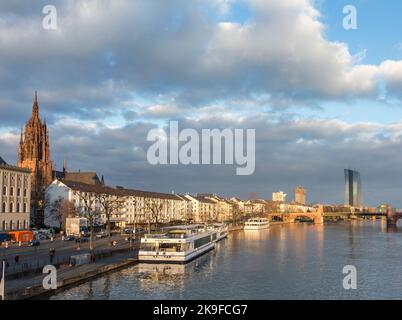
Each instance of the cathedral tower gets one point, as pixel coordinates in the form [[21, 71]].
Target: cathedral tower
[[34, 150]]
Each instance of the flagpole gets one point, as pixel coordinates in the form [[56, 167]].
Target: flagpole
[[2, 282]]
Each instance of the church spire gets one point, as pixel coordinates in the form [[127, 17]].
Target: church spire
[[35, 108], [20, 149]]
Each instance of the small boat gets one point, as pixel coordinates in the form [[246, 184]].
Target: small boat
[[179, 244], [256, 224]]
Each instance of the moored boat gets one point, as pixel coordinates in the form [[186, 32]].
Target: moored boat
[[220, 229], [256, 224], [179, 244]]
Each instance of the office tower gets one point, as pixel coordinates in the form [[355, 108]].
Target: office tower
[[353, 188]]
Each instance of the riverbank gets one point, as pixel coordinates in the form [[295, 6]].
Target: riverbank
[[32, 287]]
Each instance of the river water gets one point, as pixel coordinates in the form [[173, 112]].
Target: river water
[[296, 261]]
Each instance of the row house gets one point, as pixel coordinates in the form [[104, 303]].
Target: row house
[[143, 206], [203, 209], [255, 207], [126, 206], [225, 208]]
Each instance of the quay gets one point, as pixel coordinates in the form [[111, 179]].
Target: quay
[[31, 287]]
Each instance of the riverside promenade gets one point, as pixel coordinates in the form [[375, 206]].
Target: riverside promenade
[[30, 287]]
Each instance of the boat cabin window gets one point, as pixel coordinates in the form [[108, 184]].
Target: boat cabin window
[[165, 247]]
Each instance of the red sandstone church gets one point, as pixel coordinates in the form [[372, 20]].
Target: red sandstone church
[[34, 149]]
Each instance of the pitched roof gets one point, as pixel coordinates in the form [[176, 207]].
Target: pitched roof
[[83, 177], [205, 200], [85, 187], [119, 191], [4, 165]]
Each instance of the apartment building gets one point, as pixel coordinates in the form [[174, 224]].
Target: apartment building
[[15, 198]]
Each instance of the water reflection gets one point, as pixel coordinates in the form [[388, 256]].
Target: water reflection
[[297, 261]]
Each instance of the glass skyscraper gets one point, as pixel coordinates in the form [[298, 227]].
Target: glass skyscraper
[[353, 188]]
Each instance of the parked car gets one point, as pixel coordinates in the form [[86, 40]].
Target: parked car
[[69, 238], [34, 243], [101, 235]]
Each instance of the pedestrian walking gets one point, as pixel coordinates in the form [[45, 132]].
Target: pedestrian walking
[[17, 259]]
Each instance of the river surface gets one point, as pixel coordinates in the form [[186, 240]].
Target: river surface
[[296, 261]]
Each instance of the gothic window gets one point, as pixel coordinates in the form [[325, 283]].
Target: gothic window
[[4, 226], [25, 207], [25, 224], [18, 207], [19, 192], [11, 225], [11, 191], [3, 207], [11, 207], [25, 193], [4, 191], [18, 225]]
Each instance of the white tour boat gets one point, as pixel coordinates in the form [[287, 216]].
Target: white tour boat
[[179, 244], [256, 224]]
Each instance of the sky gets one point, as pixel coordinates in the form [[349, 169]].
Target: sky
[[321, 98]]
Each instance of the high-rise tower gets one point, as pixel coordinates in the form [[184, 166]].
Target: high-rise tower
[[353, 188]]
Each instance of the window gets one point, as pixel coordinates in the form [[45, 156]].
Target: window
[[25, 207], [11, 191], [25, 192], [25, 224], [11, 207], [4, 226], [18, 192], [18, 207], [18, 224], [3, 207], [4, 190], [11, 225]]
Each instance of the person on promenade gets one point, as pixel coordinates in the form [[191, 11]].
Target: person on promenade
[[17, 259], [52, 252]]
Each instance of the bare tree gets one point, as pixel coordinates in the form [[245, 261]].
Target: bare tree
[[154, 208], [60, 209], [87, 201], [110, 204], [235, 212], [253, 195]]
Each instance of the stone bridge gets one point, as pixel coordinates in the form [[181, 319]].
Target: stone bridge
[[290, 217]]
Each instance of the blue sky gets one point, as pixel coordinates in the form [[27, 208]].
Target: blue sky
[[378, 36], [113, 70], [378, 32]]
